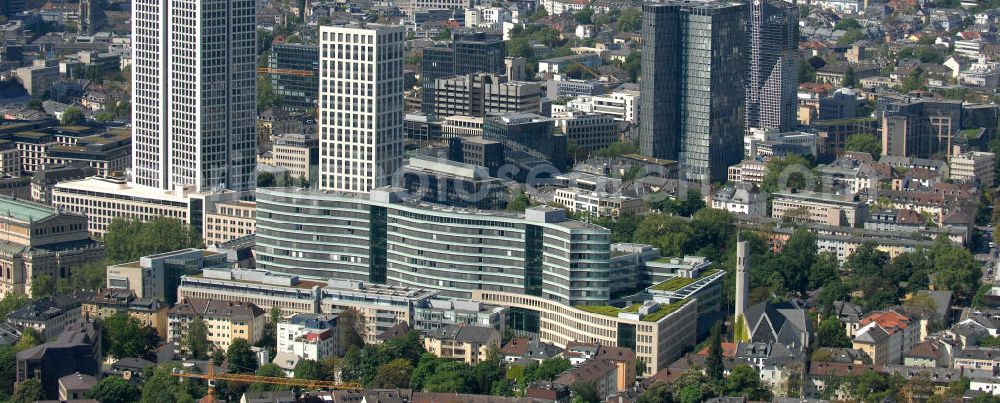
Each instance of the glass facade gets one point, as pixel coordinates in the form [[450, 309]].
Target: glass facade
[[773, 65], [692, 79], [471, 52], [295, 74]]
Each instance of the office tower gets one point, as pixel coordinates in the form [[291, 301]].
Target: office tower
[[471, 52], [361, 106], [772, 65], [692, 85], [194, 97], [294, 74]]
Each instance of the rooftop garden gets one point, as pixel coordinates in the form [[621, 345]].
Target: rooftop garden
[[677, 283], [662, 311]]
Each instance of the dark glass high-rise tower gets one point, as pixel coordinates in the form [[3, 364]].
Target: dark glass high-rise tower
[[693, 68], [471, 52], [772, 65]]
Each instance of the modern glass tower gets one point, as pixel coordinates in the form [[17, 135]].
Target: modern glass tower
[[471, 52], [194, 96], [361, 106], [294, 74], [693, 68], [772, 65]]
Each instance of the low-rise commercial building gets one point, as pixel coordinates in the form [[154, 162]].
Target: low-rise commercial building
[[599, 204], [438, 180], [263, 289], [158, 276], [658, 333], [820, 208], [382, 306], [104, 199], [438, 313], [590, 131], [297, 153]]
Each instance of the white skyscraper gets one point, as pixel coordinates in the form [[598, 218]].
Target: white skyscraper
[[194, 94], [361, 106]]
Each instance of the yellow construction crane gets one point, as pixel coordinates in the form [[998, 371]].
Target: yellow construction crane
[[211, 376], [290, 72]]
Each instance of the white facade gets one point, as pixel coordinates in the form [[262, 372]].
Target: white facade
[[623, 105], [194, 94], [307, 342], [361, 106]]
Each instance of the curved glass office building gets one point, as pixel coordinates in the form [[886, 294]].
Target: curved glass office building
[[392, 238]]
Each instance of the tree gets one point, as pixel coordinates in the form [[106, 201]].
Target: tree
[[793, 171], [633, 66], [852, 35], [807, 73], [8, 370], [443, 35], [265, 180], [308, 369], [744, 381], [956, 270], [519, 202], [658, 392], [42, 287], [128, 240], [126, 336], [714, 366], [630, 20], [847, 23], [28, 391], [196, 339], [519, 47], [585, 392], [353, 323], [29, 338], [35, 104], [584, 16], [113, 389], [865, 143], [831, 333], [825, 269], [241, 358], [90, 276], [619, 149], [10, 303], [71, 116], [394, 374], [450, 376], [850, 76], [266, 96], [270, 370], [162, 387]]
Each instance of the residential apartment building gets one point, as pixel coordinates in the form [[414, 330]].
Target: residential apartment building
[[361, 106], [108, 302], [194, 74], [743, 198], [229, 221], [310, 336], [225, 321], [749, 171], [469, 344], [49, 317], [886, 336], [973, 166], [820, 208], [385, 239], [438, 313], [103, 200], [599, 204], [40, 241]]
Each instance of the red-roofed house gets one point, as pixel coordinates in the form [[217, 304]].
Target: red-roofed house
[[886, 336]]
